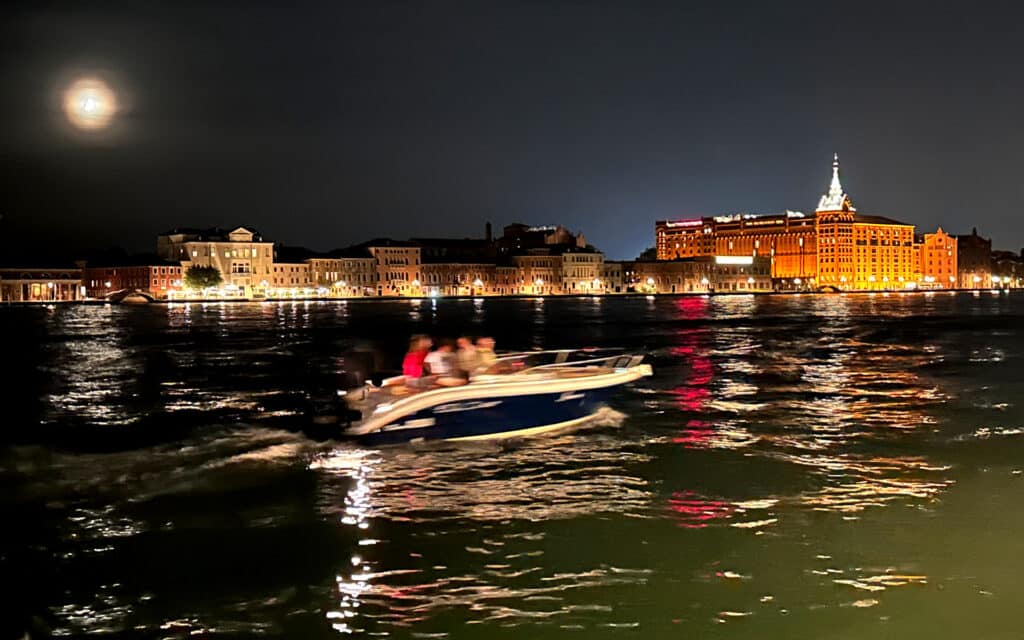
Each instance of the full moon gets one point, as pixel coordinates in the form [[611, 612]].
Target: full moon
[[90, 104]]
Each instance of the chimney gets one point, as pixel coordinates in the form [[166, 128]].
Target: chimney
[[487, 232]]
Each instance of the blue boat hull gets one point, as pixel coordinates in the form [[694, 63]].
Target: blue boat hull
[[502, 417]]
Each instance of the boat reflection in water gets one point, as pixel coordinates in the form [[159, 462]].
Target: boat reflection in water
[[496, 495]]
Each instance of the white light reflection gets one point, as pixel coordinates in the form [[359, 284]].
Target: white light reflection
[[357, 465]]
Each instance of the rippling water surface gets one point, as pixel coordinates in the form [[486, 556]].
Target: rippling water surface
[[840, 466]]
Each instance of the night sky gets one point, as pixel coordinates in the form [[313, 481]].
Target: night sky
[[327, 124]]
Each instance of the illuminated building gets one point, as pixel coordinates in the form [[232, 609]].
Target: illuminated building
[[148, 274], [399, 267], [1007, 269], [703, 274], [345, 273], [788, 239], [937, 261], [538, 273], [242, 257], [835, 247], [684, 238], [23, 284], [833, 222], [507, 280], [582, 271], [289, 275], [973, 261], [883, 253], [458, 278], [613, 276]]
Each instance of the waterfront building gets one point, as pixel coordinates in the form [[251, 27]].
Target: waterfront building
[[883, 253], [346, 273], [242, 257], [937, 261], [582, 271], [458, 278], [684, 238], [973, 261], [833, 221], [703, 274], [35, 284], [1007, 269], [539, 273], [834, 247], [399, 268], [507, 280], [148, 274], [613, 276], [288, 279], [741, 273], [788, 239]]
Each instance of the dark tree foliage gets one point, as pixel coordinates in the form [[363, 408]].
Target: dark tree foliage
[[203, 277]]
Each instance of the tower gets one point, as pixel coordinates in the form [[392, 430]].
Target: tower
[[834, 226]]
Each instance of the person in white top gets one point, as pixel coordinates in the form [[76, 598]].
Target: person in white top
[[441, 365]]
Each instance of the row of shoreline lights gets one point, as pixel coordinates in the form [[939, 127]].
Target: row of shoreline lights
[[232, 289]]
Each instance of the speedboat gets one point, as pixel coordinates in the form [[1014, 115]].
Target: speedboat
[[522, 394]]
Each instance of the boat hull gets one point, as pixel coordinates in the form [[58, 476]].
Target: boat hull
[[488, 418]]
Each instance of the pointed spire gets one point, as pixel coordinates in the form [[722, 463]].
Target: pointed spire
[[835, 199]]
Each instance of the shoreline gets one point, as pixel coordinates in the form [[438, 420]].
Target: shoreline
[[687, 294]]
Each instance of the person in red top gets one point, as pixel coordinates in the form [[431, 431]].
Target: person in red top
[[412, 364]]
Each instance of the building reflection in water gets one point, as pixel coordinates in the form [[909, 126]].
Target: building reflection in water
[[810, 397]]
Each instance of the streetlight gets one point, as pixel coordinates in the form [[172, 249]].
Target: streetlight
[[49, 285]]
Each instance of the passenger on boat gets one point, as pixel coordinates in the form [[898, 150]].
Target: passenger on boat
[[412, 364], [468, 358], [485, 354], [442, 365]]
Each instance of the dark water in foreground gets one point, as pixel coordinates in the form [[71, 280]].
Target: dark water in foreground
[[799, 467]]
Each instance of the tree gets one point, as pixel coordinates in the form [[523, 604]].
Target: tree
[[202, 277]]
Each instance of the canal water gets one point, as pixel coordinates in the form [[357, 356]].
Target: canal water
[[841, 466]]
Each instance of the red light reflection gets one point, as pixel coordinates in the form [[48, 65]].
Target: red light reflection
[[693, 511]]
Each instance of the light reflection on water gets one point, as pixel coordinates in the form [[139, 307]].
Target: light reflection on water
[[788, 471]]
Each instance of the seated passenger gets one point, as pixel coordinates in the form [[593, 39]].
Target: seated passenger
[[412, 364], [486, 357], [442, 365], [468, 359]]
